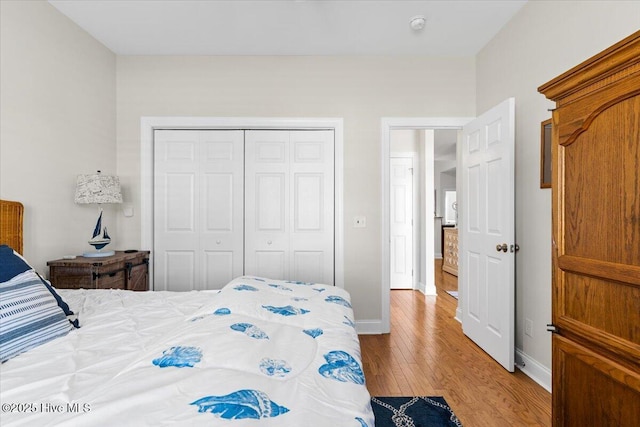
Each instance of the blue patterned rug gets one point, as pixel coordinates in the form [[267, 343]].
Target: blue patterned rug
[[418, 411]]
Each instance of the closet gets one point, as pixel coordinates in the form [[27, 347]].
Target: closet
[[234, 202], [596, 238]]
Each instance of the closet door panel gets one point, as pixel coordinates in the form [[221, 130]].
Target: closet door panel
[[175, 210], [308, 266], [177, 268], [218, 215], [266, 202], [289, 205], [308, 199], [270, 202], [312, 207], [219, 266], [271, 264], [221, 228], [198, 208], [179, 215]]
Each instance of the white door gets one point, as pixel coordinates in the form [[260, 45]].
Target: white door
[[487, 232], [198, 226], [401, 227], [289, 205]]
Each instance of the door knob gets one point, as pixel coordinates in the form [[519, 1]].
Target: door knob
[[503, 247], [269, 242]]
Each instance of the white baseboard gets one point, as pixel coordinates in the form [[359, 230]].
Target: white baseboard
[[369, 327], [458, 314], [533, 369], [438, 256], [427, 290]]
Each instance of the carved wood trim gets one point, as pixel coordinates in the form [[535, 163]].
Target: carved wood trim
[[606, 65], [587, 122]]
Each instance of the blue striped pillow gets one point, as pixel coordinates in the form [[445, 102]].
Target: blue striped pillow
[[29, 315]]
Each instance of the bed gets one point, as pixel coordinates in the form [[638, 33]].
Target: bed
[[258, 352]]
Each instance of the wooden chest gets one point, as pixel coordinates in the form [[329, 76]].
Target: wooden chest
[[128, 271], [450, 251]]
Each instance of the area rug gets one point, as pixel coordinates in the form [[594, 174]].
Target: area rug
[[453, 294], [417, 411]]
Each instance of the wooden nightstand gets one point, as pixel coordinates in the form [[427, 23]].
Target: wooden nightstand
[[120, 271]]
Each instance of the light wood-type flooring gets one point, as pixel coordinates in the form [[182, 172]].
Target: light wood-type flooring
[[426, 354]]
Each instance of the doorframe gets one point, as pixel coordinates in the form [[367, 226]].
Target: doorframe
[[387, 125], [149, 124]]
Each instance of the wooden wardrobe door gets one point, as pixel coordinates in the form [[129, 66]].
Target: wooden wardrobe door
[[596, 222]]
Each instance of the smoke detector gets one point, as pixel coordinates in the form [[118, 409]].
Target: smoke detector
[[418, 22]]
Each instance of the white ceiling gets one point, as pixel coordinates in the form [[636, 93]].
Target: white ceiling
[[290, 27]]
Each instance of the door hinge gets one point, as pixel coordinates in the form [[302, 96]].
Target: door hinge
[[552, 328]]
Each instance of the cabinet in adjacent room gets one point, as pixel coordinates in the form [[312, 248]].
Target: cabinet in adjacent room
[[450, 250]]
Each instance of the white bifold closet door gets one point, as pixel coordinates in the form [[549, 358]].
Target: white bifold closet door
[[289, 205], [198, 205]]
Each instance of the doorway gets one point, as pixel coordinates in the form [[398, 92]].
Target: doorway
[[427, 204], [407, 215], [485, 150]]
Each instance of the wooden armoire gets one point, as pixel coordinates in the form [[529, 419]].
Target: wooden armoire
[[596, 239]]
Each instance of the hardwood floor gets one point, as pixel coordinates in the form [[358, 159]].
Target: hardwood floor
[[426, 354]]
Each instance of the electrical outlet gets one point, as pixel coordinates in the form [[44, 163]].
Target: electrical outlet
[[359, 222], [528, 327]]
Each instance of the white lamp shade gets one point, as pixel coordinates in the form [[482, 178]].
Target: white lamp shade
[[98, 188]]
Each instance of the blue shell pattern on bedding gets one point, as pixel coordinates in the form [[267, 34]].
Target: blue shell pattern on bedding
[[338, 300], [250, 330], [240, 404], [179, 357], [313, 333], [341, 365], [274, 368], [288, 310]]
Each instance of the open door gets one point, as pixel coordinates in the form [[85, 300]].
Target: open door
[[487, 232]]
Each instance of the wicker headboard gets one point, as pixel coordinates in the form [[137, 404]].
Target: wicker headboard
[[11, 218]]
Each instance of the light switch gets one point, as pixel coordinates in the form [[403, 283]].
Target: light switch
[[359, 222], [127, 211]]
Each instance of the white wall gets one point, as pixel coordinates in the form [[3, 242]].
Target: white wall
[[404, 140], [57, 116], [359, 89], [542, 41]]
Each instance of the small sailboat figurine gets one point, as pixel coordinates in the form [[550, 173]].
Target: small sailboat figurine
[[99, 241]]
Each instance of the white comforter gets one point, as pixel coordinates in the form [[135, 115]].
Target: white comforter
[[259, 352]]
